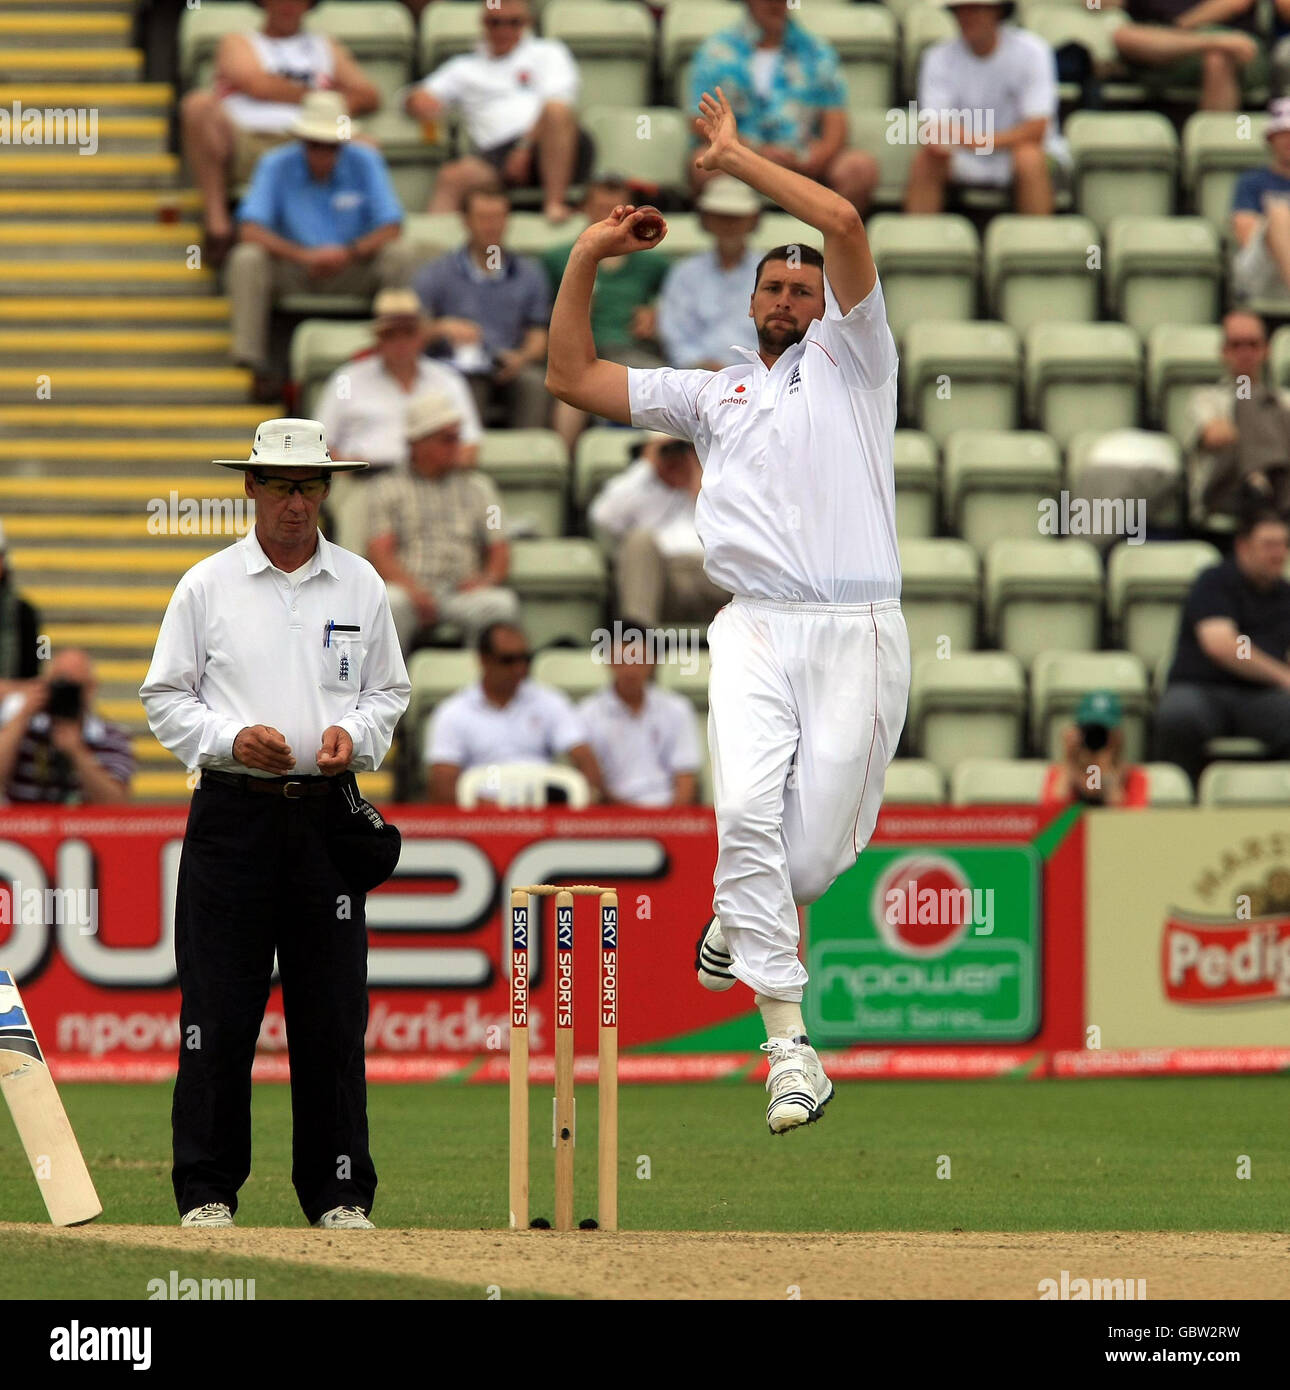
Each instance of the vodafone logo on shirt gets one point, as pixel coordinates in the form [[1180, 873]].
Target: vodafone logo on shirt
[[737, 399]]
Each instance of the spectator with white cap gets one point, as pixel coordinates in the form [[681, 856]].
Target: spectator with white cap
[[321, 214], [436, 531], [19, 630], [647, 513], [363, 404], [703, 310], [1260, 224]]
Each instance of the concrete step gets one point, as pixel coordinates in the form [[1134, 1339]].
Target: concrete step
[[44, 170], [214, 422], [68, 385], [82, 6], [37, 311], [96, 495], [88, 135], [94, 205], [51, 27], [47, 63], [49, 241], [118, 563], [134, 603], [65, 347], [193, 532]]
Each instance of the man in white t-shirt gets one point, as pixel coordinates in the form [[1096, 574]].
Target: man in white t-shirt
[[1006, 80], [505, 718], [645, 739], [261, 78], [363, 405], [518, 96], [646, 517], [810, 661]]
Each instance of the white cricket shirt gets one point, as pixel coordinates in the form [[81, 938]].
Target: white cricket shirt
[[536, 725], [637, 498], [241, 644], [798, 498], [641, 751], [501, 98]]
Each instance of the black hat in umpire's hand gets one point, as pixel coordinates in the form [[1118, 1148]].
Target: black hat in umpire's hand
[[366, 846]]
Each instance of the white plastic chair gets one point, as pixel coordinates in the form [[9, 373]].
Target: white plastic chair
[[521, 786]]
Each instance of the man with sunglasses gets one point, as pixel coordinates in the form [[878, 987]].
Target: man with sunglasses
[[277, 675]]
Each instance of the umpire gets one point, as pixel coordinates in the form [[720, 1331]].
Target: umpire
[[277, 672]]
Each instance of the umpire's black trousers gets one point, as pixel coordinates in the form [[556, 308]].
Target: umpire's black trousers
[[257, 875]]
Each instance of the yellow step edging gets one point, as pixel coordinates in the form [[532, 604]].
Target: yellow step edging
[[63, 58], [156, 417], [101, 271], [87, 340], [131, 378], [106, 233], [94, 166], [223, 482], [105, 596], [41, 94], [144, 559], [119, 451], [79, 201], [43, 22], [108, 307], [115, 635], [59, 527]]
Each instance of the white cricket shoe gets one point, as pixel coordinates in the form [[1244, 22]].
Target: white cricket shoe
[[712, 959], [799, 1089], [212, 1214], [345, 1219]]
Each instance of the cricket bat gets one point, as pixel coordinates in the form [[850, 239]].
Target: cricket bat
[[39, 1117]]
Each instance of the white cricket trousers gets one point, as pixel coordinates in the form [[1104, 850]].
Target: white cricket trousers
[[805, 707]]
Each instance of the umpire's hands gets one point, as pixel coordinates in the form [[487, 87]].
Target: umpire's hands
[[336, 751], [260, 746]]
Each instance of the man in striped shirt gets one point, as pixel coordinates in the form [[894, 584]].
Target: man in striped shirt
[[54, 748]]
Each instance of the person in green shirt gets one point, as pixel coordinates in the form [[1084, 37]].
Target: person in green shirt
[[624, 316]]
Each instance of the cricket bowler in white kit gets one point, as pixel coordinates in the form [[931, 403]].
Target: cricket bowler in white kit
[[810, 660]]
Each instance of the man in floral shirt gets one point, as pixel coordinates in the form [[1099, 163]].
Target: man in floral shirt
[[789, 97]]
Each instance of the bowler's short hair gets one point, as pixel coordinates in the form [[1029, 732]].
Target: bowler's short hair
[[805, 255]]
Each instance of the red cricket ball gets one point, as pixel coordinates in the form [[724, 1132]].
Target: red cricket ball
[[650, 226]]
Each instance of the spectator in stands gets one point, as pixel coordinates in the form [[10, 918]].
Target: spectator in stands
[[1093, 769], [19, 631], [789, 96], [506, 718], [1005, 80], [1260, 223], [363, 405], [646, 514], [1238, 432], [517, 94], [1230, 673], [436, 532], [703, 309], [54, 748], [261, 78], [1178, 35], [322, 215], [624, 317], [645, 739], [490, 309]]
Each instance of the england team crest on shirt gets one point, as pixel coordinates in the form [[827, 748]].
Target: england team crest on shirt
[[795, 381]]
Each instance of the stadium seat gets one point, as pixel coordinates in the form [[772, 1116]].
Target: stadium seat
[[526, 786], [200, 32], [917, 483], [693, 683], [1145, 589], [434, 674], [1126, 162], [1245, 784], [995, 481], [867, 42], [1082, 376], [1167, 785], [685, 237], [868, 129], [531, 470], [1107, 468], [1279, 358], [1043, 595], [562, 585], [913, 782], [961, 376], [448, 27], [613, 44], [601, 452], [929, 266], [318, 347], [379, 33], [1060, 680], [779, 229], [433, 234], [1037, 270], [1180, 357], [650, 143], [972, 706], [921, 26], [1217, 147], [1074, 23], [411, 157], [1162, 270], [941, 581], [998, 782], [530, 234], [577, 673], [684, 28]]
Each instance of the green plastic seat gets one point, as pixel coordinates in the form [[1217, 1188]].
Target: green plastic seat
[[613, 45], [1163, 270], [995, 481], [1167, 785], [998, 782], [531, 470], [1245, 784], [1180, 357], [1043, 595], [913, 782], [1125, 162], [1145, 590], [1217, 148], [918, 484], [1082, 376], [929, 266], [577, 673], [972, 706], [1059, 680], [600, 454], [380, 34], [1037, 270], [960, 376], [318, 347], [940, 593], [563, 586], [650, 143]]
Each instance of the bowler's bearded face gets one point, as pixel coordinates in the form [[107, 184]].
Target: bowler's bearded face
[[785, 303]]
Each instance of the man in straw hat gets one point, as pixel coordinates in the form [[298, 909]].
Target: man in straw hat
[[278, 675], [322, 215]]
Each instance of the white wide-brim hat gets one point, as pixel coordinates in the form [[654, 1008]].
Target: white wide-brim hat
[[291, 444], [324, 117]]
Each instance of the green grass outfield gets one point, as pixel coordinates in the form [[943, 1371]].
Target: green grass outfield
[[1158, 1154]]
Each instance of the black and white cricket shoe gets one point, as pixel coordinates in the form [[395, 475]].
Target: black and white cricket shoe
[[345, 1219], [799, 1089], [211, 1214], [712, 960]]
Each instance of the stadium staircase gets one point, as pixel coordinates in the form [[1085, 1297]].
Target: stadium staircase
[[115, 384]]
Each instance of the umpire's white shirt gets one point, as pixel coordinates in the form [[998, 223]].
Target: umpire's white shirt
[[798, 499], [243, 643]]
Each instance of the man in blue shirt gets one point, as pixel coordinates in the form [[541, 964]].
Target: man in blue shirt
[[789, 97], [321, 215], [1261, 217]]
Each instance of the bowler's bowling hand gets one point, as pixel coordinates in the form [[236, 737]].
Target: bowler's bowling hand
[[264, 748], [336, 752], [616, 235], [716, 124]]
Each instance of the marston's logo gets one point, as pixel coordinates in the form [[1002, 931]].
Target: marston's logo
[[1210, 961], [922, 905]]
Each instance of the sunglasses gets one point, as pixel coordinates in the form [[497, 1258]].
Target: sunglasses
[[284, 487], [495, 22], [399, 330], [513, 658], [1243, 343]]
